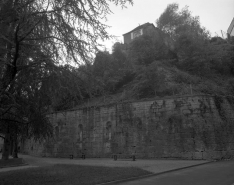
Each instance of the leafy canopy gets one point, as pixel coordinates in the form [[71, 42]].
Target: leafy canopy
[[35, 37]]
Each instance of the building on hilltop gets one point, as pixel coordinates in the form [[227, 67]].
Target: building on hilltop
[[143, 29], [230, 30], [147, 29]]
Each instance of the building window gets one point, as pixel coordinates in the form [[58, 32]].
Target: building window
[[136, 33]]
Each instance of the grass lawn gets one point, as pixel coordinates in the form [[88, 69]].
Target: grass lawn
[[68, 175]]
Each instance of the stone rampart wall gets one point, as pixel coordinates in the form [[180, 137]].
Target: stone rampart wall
[[191, 127]]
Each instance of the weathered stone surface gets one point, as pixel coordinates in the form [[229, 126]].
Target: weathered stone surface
[[191, 127]]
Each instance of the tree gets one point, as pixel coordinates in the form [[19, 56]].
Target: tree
[[102, 63], [26, 107], [36, 32], [189, 37], [106, 70], [120, 57], [204, 58], [146, 49], [64, 30], [169, 19], [150, 81]]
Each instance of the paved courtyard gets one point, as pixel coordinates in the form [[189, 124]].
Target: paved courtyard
[[216, 173], [152, 165]]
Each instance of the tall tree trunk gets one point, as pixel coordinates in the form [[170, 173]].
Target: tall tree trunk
[[15, 144], [9, 73], [6, 147]]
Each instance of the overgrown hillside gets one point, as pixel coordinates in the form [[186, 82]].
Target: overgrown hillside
[[190, 63]]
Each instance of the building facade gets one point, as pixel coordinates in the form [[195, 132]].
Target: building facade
[[143, 29]]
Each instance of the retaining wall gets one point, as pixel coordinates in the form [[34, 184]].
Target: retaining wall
[[191, 127]]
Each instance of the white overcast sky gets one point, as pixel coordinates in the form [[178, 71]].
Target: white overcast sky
[[215, 15]]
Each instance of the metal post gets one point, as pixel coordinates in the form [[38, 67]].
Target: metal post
[[133, 155]]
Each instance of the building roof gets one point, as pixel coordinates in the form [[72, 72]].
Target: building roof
[[140, 27], [231, 27]]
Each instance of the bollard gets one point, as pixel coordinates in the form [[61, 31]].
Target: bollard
[[71, 156], [115, 157], [83, 156], [134, 158]]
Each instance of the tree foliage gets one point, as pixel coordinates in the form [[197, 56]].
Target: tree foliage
[[175, 22], [146, 49], [109, 69], [149, 81], [189, 37], [177, 58], [35, 34], [205, 58]]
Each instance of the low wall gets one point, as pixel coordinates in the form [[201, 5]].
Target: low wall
[[191, 127]]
